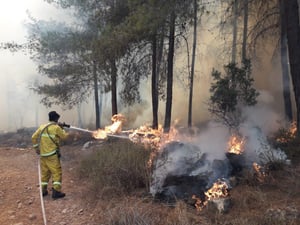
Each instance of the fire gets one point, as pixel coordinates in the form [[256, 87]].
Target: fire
[[259, 172], [236, 145], [217, 191], [115, 128], [147, 136], [199, 204], [288, 135], [99, 134], [153, 138]]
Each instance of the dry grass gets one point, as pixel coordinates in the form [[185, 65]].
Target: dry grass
[[137, 211], [116, 168], [118, 174]]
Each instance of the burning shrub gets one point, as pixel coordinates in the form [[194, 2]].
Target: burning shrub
[[285, 135], [120, 166], [287, 140]]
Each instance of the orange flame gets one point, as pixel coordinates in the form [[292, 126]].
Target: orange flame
[[289, 134], [199, 204], [155, 139], [236, 145], [259, 172], [116, 127], [217, 191], [100, 134]]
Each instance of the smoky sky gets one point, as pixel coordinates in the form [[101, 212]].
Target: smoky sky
[[20, 107]]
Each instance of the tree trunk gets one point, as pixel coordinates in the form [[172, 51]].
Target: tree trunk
[[293, 37], [245, 31], [160, 50], [114, 106], [100, 104], [154, 83], [234, 37], [170, 74], [284, 65], [193, 65], [79, 114], [96, 95]]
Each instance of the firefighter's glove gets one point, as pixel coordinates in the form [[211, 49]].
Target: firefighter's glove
[[62, 125], [37, 150], [58, 154]]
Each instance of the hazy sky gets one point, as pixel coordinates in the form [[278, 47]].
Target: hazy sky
[[19, 106]]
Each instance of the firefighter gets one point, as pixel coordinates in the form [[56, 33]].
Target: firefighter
[[46, 141]]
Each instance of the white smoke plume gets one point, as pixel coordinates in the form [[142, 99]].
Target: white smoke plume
[[205, 157]]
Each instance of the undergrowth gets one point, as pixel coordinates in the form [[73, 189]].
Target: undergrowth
[[116, 168]]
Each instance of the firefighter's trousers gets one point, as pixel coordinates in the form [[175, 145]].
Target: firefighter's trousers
[[51, 167]]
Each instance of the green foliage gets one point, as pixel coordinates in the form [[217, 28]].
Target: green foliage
[[231, 92], [63, 55], [120, 166]]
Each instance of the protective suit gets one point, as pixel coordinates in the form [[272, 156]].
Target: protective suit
[[46, 140]]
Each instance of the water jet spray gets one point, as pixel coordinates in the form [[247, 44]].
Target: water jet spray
[[93, 132]]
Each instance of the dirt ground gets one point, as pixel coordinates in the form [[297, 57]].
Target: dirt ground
[[20, 202]]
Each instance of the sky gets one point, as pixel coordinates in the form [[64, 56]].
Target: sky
[[19, 106]]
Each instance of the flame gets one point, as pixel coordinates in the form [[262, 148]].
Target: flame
[[236, 144], [115, 128], [99, 134], [154, 139], [217, 191], [147, 136], [288, 135], [199, 204], [259, 172]]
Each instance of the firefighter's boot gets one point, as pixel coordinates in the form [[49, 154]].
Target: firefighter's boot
[[57, 194], [44, 191]]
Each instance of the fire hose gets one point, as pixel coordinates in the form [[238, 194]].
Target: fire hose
[[41, 193], [89, 131]]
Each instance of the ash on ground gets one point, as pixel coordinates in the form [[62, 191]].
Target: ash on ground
[[182, 170]]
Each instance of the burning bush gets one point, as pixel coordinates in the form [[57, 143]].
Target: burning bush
[[287, 140], [120, 166]]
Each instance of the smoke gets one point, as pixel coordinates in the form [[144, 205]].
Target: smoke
[[213, 140], [20, 107], [205, 159]]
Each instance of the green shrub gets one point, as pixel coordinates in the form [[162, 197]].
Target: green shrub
[[115, 168]]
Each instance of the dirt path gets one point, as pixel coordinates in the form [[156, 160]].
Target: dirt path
[[19, 193]]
